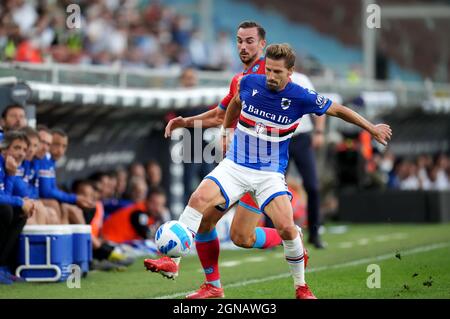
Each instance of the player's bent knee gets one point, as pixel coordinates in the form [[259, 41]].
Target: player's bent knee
[[287, 232], [198, 200], [241, 241]]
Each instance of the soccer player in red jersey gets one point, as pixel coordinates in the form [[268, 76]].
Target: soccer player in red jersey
[[244, 231]]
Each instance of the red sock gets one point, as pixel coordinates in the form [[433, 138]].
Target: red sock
[[266, 238], [208, 249]]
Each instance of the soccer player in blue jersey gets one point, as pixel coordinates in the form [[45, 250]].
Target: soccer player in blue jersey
[[269, 108]]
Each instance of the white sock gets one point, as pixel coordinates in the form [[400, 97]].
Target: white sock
[[176, 260], [293, 251], [191, 218]]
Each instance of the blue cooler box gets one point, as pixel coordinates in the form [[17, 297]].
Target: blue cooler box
[[82, 246], [45, 253]]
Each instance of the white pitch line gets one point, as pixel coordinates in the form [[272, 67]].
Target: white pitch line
[[337, 266], [363, 241], [231, 263], [255, 259], [345, 244]]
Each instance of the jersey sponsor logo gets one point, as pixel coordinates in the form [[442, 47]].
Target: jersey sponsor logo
[[285, 103], [281, 119], [255, 91], [46, 173]]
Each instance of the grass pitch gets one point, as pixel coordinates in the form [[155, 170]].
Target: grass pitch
[[413, 261]]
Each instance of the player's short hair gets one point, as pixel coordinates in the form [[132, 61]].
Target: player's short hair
[[12, 136], [281, 51], [253, 24], [155, 190], [79, 183], [60, 132], [10, 107], [30, 132], [42, 127]]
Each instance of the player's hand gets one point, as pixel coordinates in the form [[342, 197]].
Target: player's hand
[[174, 124], [84, 202], [382, 133], [11, 165], [28, 207], [318, 140]]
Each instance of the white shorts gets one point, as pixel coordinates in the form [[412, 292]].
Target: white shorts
[[235, 180]]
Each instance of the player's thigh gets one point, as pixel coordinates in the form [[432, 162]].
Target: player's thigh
[[274, 197], [223, 186], [208, 194]]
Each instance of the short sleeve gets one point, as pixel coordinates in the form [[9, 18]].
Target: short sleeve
[[313, 102]]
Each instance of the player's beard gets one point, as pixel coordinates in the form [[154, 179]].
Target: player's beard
[[248, 59], [272, 85]]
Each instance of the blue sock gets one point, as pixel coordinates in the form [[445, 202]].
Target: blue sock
[[260, 238], [215, 283]]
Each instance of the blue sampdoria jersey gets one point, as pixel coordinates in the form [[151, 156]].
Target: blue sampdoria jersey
[[267, 121], [47, 181]]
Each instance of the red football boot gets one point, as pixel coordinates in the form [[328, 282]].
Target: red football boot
[[164, 266], [303, 292], [207, 291]]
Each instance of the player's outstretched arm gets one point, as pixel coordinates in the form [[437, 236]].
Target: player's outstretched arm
[[233, 111], [206, 119], [380, 132]]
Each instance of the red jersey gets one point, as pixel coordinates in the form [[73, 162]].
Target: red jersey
[[259, 67]]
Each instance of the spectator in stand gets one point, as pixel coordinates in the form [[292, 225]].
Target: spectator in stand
[[122, 179], [154, 173], [100, 183], [138, 189], [136, 170], [106, 256], [442, 162], [139, 221]]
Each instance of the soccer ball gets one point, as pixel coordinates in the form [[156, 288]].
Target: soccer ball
[[173, 239]]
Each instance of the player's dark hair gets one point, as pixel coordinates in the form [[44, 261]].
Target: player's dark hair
[[155, 190], [30, 132], [79, 183], [10, 107], [281, 51], [253, 24], [11, 136], [59, 131]]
